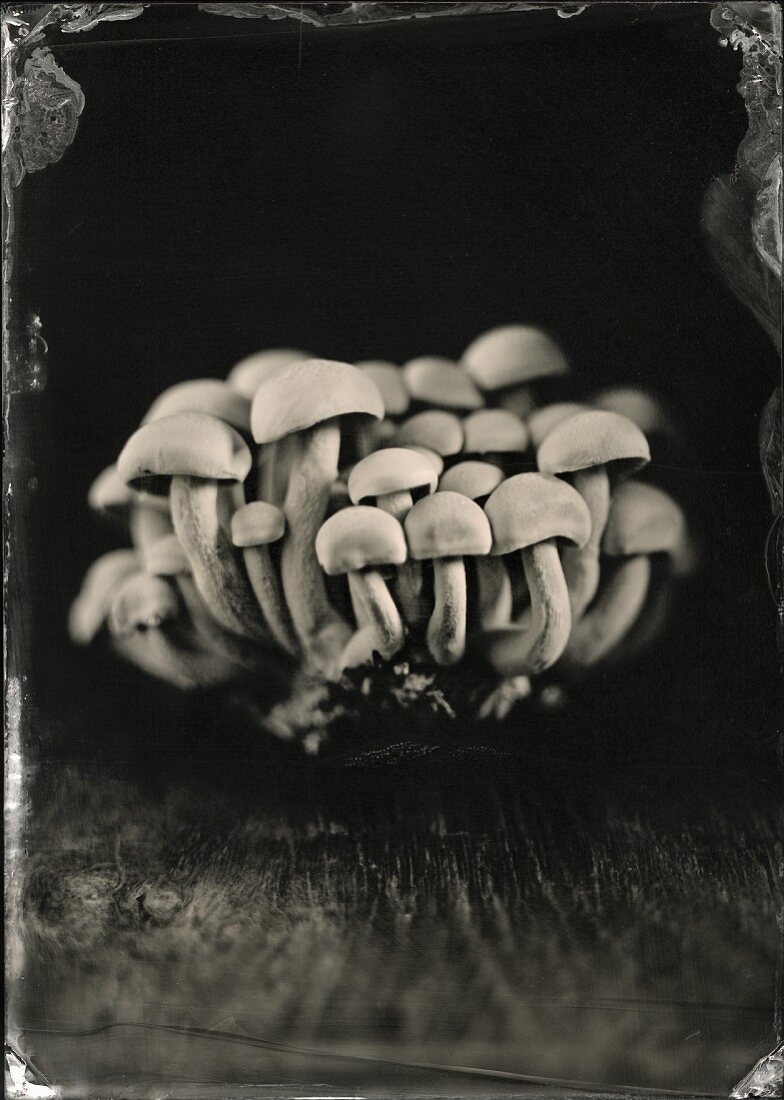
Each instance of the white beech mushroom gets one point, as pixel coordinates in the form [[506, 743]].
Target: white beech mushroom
[[390, 477], [643, 409], [439, 431], [203, 395], [643, 521], [246, 376], [431, 380], [592, 446], [542, 421], [305, 402], [494, 432], [435, 460], [388, 377], [144, 515], [89, 610], [254, 528], [229, 654], [198, 457], [507, 361], [356, 542], [529, 513], [445, 528], [142, 601], [477, 480]]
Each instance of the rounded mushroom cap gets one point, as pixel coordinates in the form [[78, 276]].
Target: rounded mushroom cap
[[357, 538], [642, 408], [645, 520], [247, 375], [438, 431], [437, 381], [447, 525], [257, 524], [89, 610], [302, 394], [593, 438], [513, 355], [392, 470], [189, 444], [142, 602], [389, 380], [166, 557], [203, 395], [542, 421], [435, 460], [494, 431], [530, 508], [110, 495], [472, 479]]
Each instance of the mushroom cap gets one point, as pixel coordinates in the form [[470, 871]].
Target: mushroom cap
[[440, 382], [246, 376], [142, 602], [389, 379], [447, 525], [392, 470], [110, 495], [166, 557], [530, 508], [257, 524], [302, 394], [359, 537], [542, 421], [593, 438], [438, 431], [494, 431], [189, 444], [645, 520], [513, 355], [642, 408], [89, 610], [203, 395], [435, 460], [472, 479]]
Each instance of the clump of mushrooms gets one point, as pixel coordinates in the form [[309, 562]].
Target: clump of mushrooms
[[342, 520]]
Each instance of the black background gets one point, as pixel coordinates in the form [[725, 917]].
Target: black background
[[386, 192]]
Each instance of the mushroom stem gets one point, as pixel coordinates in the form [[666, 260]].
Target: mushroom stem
[[527, 652], [581, 565], [196, 513], [212, 636], [147, 525], [408, 582], [314, 467], [266, 587], [153, 653], [495, 593], [369, 590], [446, 630], [613, 615]]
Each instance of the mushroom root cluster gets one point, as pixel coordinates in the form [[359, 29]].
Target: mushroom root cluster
[[312, 517]]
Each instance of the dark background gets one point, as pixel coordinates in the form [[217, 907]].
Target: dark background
[[386, 192], [598, 903]]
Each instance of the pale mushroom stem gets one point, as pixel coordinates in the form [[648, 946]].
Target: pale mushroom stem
[[581, 564], [266, 587], [650, 626], [314, 467], [153, 653], [212, 636], [408, 582], [530, 651], [613, 615], [369, 590], [147, 525], [446, 631], [495, 593], [196, 513]]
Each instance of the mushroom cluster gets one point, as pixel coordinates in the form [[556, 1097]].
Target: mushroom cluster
[[308, 517]]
